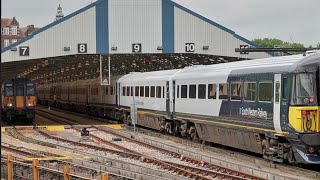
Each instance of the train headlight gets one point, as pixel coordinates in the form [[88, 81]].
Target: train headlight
[[29, 104], [9, 104]]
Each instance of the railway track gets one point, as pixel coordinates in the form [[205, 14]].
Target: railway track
[[203, 170]]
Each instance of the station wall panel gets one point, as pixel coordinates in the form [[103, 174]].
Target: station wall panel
[[135, 22], [189, 28], [50, 42]]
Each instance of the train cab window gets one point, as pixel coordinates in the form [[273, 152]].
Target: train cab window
[[19, 91], [178, 91], [249, 90], [128, 91], [184, 89], [30, 90], [202, 91], [136, 92], [192, 91], [265, 92], [158, 91], [147, 91], [9, 90], [141, 91], [152, 93], [123, 91], [212, 91], [236, 92], [224, 91]]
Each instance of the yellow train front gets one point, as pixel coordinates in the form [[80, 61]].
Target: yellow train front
[[18, 99]]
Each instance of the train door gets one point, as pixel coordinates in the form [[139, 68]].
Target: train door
[[167, 99], [276, 102]]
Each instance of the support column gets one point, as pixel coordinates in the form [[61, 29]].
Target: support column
[[10, 166], [35, 169]]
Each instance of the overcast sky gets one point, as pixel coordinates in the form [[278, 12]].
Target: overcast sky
[[288, 20]]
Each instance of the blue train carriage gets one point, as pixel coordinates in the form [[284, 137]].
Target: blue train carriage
[[18, 99], [266, 106]]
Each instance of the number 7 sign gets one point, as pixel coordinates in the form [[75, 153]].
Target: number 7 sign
[[24, 51]]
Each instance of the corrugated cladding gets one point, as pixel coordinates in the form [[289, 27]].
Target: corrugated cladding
[[135, 22], [50, 42]]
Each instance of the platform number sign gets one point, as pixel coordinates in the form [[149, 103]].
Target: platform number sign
[[244, 47], [24, 51], [136, 48], [82, 48], [190, 47]]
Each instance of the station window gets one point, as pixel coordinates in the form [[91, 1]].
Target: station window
[[249, 90], [158, 91], [141, 91], [136, 91], [265, 91], [147, 91], [192, 91], [223, 91], [236, 92], [202, 91], [212, 91], [123, 91], [152, 93], [184, 89]]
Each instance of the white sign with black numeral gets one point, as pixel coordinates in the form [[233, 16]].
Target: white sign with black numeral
[[136, 47], [82, 48], [24, 51], [190, 47]]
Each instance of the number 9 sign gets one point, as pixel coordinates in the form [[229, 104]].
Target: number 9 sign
[[136, 48], [82, 48]]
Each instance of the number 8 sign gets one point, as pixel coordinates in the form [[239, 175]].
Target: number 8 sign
[[82, 48]]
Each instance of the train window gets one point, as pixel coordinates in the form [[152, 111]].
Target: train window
[[131, 90], [152, 93], [111, 90], [158, 91], [236, 92], [107, 90], [277, 98], [141, 91], [184, 89], [223, 91], [192, 91], [178, 91], [147, 91], [136, 92], [285, 88], [123, 91], [128, 91], [163, 92], [30, 90], [9, 91], [249, 90], [202, 91], [265, 92], [212, 91]]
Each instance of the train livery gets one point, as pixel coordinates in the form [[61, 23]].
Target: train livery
[[18, 99], [267, 106]]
